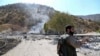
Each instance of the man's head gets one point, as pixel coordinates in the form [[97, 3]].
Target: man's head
[[69, 29]]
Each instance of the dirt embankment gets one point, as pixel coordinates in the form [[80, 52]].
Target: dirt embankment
[[7, 44]]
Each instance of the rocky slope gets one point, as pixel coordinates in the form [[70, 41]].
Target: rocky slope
[[24, 15]]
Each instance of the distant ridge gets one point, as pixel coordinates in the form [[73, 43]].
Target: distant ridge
[[94, 17]]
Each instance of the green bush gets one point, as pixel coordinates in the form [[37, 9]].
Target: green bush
[[58, 21]]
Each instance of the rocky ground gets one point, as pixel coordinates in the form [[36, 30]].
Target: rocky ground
[[45, 45]]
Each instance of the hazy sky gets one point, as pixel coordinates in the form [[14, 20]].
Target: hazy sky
[[75, 7]]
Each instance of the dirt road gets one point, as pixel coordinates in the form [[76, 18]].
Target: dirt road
[[34, 48]]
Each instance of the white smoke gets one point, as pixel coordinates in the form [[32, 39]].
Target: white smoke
[[38, 16], [39, 26]]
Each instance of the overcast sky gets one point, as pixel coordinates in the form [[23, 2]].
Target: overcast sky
[[75, 7]]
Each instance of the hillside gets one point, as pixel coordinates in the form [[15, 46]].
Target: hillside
[[32, 17], [94, 17], [60, 20], [23, 16]]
